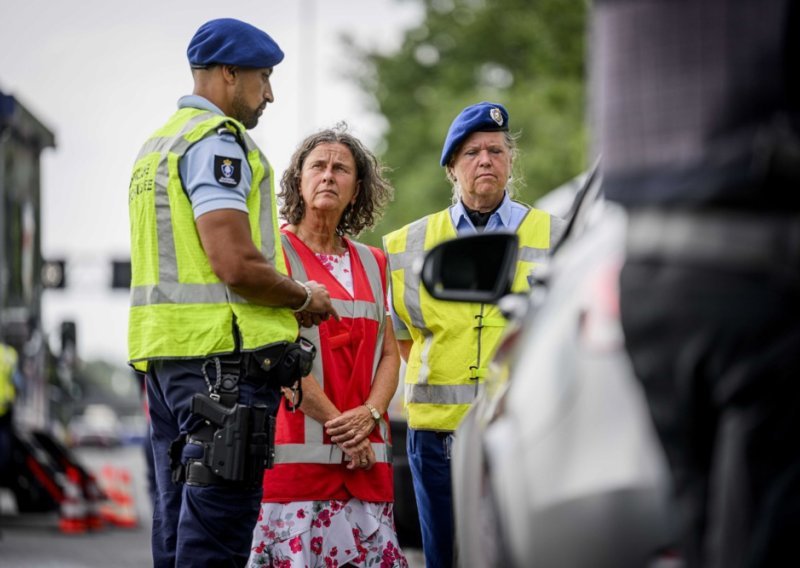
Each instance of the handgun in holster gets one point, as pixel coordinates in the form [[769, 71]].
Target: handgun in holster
[[237, 443]]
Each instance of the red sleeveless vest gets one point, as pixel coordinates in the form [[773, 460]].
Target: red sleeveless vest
[[308, 466]]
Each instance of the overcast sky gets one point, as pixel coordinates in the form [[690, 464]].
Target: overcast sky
[[103, 74]]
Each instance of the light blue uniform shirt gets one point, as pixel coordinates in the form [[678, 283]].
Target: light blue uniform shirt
[[198, 164], [507, 218]]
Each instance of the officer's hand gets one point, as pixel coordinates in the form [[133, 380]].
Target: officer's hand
[[320, 305], [309, 319]]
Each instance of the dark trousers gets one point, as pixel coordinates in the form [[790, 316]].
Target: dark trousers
[[717, 347], [429, 460], [147, 450], [196, 526], [6, 447]]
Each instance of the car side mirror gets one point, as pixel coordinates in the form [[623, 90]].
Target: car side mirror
[[475, 268]]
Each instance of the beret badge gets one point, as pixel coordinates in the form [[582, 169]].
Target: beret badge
[[496, 115]]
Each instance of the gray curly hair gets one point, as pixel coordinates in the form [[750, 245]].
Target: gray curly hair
[[375, 192]]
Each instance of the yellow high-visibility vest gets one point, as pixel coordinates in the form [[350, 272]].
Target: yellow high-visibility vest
[[8, 363], [179, 308], [453, 342]]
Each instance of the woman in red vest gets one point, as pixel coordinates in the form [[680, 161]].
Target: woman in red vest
[[328, 500]]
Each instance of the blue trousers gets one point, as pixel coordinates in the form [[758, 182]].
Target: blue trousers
[[429, 460], [196, 526]]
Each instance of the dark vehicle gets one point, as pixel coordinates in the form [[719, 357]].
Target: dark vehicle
[[406, 517], [557, 464]]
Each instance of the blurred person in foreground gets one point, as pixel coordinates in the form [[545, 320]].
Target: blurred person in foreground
[[329, 498], [697, 112], [448, 345], [211, 319]]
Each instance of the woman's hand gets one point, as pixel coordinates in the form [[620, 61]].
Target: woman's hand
[[350, 427], [361, 455]]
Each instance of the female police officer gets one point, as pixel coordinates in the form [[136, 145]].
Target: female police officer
[[448, 345]]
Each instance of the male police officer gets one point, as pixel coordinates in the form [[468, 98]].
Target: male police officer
[[211, 317], [447, 346]]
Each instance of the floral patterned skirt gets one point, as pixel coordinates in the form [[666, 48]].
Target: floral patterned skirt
[[313, 534]]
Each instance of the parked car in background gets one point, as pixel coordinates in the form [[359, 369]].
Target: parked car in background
[[97, 425], [557, 464]]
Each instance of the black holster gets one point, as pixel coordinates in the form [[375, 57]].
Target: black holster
[[281, 369], [236, 442]]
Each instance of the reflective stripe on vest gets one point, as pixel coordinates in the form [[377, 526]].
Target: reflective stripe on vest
[[314, 450], [452, 342], [179, 308]]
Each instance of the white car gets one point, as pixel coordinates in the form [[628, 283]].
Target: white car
[[98, 425], [557, 464]]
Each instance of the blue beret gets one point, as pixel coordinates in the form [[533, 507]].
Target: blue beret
[[482, 117], [231, 42]]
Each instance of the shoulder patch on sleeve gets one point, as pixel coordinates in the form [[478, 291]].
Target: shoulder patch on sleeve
[[227, 171]]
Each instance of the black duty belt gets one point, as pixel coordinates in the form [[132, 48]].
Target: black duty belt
[[716, 237]]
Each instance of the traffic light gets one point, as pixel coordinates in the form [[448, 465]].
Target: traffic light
[[69, 335], [54, 273], [121, 274]]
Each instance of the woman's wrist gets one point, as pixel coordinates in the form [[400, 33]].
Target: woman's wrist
[[374, 412]]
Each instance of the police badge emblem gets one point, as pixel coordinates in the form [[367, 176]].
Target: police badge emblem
[[227, 171], [227, 168], [496, 115]]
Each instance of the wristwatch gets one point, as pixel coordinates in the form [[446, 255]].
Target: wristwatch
[[374, 411]]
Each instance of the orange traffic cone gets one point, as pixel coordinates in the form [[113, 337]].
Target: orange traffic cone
[[73, 508], [108, 483], [126, 511], [119, 510], [94, 498]]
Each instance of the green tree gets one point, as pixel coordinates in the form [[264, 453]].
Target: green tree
[[526, 54]]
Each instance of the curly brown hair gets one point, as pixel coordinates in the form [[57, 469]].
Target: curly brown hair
[[375, 193]]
